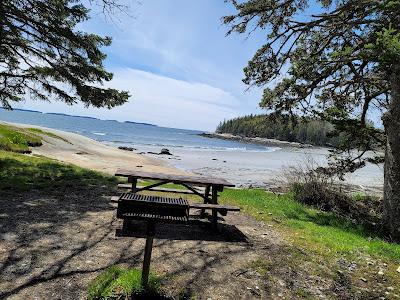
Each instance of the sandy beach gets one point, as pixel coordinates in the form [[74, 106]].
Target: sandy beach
[[88, 153], [266, 169], [244, 168]]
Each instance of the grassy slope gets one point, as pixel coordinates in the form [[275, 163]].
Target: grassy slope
[[20, 139], [23, 173], [325, 236], [16, 140], [44, 133]]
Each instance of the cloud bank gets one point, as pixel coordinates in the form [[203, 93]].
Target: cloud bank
[[158, 99]]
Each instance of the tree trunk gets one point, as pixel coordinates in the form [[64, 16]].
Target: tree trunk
[[391, 198]]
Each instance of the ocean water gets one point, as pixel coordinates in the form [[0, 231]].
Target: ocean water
[[139, 135]]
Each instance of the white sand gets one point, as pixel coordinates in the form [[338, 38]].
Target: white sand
[[266, 169], [88, 153]]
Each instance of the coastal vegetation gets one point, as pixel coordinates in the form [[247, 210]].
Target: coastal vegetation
[[20, 139], [17, 140], [19, 173], [284, 128], [341, 64]]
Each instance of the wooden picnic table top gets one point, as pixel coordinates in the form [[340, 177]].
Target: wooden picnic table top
[[188, 179]]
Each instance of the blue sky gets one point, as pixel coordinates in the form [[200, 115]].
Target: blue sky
[[174, 58]]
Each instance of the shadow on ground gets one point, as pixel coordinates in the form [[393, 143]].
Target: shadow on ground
[[195, 230], [57, 233]]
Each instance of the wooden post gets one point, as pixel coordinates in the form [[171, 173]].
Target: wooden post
[[134, 183], [214, 197], [147, 253], [206, 200], [125, 226], [127, 223]]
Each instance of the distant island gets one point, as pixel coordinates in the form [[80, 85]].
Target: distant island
[[272, 129], [75, 116], [21, 109], [78, 116], [140, 123]]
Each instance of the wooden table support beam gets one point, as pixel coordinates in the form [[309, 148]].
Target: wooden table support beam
[[214, 197], [134, 183], [206, 200]]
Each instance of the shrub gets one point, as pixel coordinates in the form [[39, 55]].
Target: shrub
[[312, 186]]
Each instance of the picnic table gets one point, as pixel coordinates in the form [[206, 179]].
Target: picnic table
[[152, 208], [205, 187]]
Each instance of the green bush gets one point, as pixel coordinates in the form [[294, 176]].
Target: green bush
[[361, 210]]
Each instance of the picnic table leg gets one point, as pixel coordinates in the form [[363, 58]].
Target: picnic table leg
[[214, 197], [147, 253], [134, 183], [128, 223], [206, 200]]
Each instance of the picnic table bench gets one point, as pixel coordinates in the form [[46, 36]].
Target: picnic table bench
[[152, 208]]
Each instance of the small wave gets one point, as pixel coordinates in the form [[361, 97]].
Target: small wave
[[120, 142], [197, 148], [98, 133]]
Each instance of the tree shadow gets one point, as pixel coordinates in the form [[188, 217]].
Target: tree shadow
[[58, 232], [195, 230]]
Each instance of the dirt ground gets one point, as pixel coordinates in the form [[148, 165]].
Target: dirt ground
[[52, 244]]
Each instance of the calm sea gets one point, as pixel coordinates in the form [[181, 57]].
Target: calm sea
[[128, 134]]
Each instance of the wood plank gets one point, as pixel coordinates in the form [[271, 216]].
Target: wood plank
[[214, 206], [157, 189], [200, 180], [147, 217], [157, 200], [115, 199]]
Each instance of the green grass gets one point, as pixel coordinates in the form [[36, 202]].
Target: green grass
[[168, 185], [23, 173], [325, 237], [17, 140], [120, 283], [50, 134], [321, 231]]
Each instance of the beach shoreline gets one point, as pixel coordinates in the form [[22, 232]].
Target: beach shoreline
[[244, 168], [85, 152]]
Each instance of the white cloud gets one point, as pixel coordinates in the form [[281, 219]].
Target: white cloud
[[160, 100], [192, 72]]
